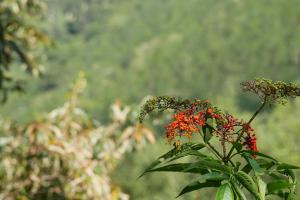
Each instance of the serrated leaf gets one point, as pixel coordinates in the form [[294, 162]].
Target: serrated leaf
[[198, 185], [289, 173], [261, 188], [225, 192], [239, 192], [277, 175], [247, 181], [278, 185]]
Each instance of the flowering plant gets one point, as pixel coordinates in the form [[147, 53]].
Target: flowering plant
[[225, 154]]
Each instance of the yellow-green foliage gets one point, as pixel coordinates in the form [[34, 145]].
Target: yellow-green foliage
[[20, 40], [66, 154]]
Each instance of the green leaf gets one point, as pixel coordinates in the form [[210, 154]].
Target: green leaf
[[213, 176], [198, 185], [277, 175], [287, 166], [211, 164], [207, 130], [184, 150], [254, 165], [247, 168], [180, 167], [266, 164], [239, 192], [292, 196], [246, 181], [258, 154], [289, 173], [278, 185], [261, 188], [225, 192], [186, 153], [238, 146]]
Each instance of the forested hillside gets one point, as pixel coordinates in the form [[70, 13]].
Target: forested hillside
[[130, 49]]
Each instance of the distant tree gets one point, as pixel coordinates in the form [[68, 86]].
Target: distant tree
[[20, 41]]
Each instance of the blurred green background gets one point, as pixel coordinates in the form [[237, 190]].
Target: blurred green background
[[195, 48]]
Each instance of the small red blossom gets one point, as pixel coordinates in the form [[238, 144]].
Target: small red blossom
[[247, 128], [209, 111], [199, 119], [226, 124], [250, 143]]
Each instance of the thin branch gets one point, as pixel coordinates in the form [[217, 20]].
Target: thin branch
[[215, 151]]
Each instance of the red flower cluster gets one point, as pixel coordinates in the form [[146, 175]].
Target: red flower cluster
[[250, 139], [187, 122], [183, 125], [228, 123], [247, 128], [211, 113], [250, 142]]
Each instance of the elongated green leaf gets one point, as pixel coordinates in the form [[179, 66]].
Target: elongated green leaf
[[288, 172], [261, 188], [186, 153], [184, 150], [247, 168], [198, 185], [259, 154], [238, 146], [254, 165], [239, 192], [213, 176], [247, 181], [292, 196], [225, 192], [277, 175], [275, 186], [207, 132], [287, 166], [211, 164], [266, 164], [180, 167]]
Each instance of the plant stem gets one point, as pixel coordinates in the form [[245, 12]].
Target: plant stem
[[227, 158], [215, 150], [224, 149]]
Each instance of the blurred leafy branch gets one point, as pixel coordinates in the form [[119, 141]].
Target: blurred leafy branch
[[234, 165], [20, 41], [66, 154]]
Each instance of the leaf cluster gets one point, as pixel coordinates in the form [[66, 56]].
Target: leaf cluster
[[20, 41]]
